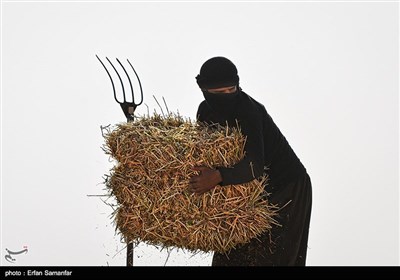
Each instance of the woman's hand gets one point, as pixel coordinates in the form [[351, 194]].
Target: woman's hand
[[205, 181]]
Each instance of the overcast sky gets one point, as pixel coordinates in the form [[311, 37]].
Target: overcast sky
[[326, 72]]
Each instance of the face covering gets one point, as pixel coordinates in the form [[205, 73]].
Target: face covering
[[224, 103]]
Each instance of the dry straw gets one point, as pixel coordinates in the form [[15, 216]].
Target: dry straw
[[155, 156]]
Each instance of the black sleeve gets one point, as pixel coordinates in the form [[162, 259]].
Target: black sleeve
[[252, 165]]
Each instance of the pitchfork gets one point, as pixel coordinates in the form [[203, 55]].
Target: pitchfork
[[129, 109]]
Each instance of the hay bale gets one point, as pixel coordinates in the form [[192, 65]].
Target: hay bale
[[155, 157]]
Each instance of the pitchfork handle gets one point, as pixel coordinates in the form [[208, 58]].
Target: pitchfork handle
[[129, 248]]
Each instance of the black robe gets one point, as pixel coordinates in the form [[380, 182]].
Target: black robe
[[266, 150]]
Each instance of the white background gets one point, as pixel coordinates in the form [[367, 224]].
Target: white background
[[326, 72]]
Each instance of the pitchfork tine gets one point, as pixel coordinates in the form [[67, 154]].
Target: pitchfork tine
[[140, 84], [129, 79], [122, 84], [112, 82]]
